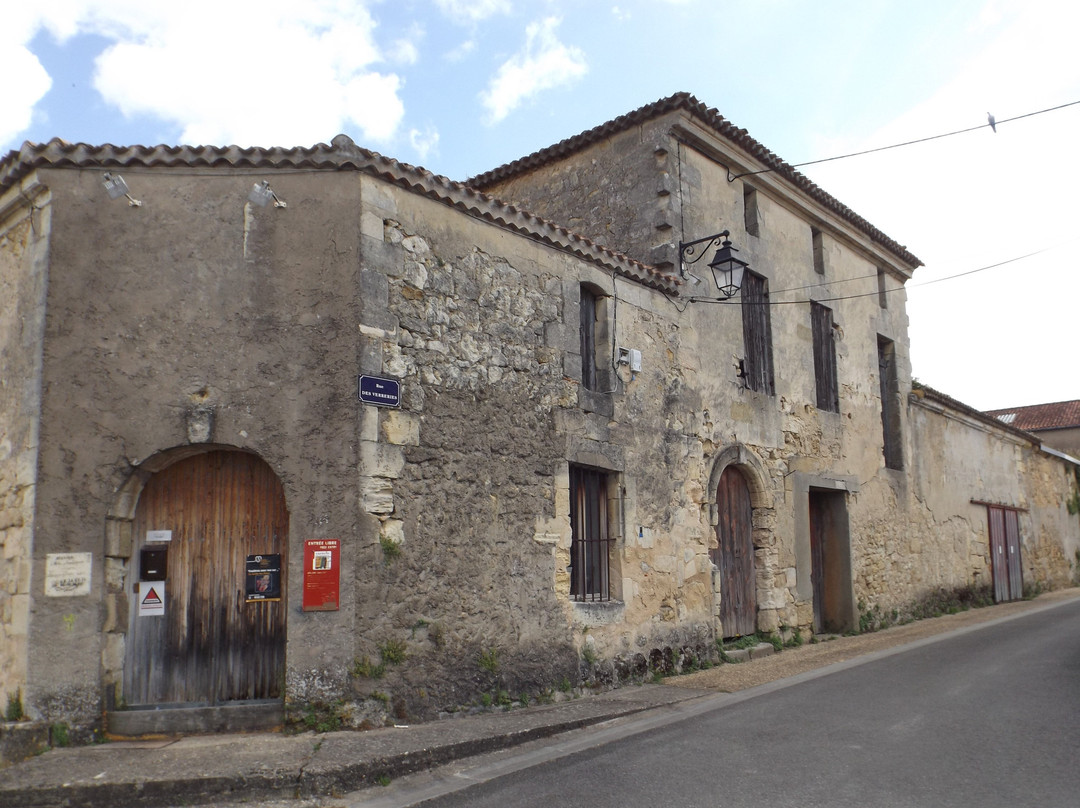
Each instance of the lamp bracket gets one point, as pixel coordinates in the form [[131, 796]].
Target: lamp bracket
[[690, 252]]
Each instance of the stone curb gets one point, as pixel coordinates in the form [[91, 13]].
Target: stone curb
[[315, 776]]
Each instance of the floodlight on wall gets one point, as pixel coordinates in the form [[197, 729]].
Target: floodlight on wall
[[726, 268], [115, 187], [262, 194]]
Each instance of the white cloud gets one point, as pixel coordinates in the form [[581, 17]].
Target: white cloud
[[462, 51], [271, 73], [472, 10], [424, 143], [21, 96], [543, 64]]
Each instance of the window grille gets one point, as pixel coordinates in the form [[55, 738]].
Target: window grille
[[590, 546]]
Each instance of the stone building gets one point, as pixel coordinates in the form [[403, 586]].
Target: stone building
[[289, 430]]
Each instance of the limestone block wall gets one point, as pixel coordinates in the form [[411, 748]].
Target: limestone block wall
[[23, 275], [473, 496], [938, 536]]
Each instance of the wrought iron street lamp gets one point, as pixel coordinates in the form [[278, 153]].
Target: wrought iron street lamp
[[727, 269]]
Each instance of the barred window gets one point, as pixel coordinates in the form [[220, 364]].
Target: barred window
[[590, 545]]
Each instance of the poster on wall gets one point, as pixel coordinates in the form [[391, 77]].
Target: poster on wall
[[152, 599], [263, 577], [67, 574], [322, 559]]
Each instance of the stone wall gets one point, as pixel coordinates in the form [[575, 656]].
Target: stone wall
[[195, 321], [23, 271]]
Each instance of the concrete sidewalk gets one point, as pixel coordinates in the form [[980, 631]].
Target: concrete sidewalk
[[269, 766]]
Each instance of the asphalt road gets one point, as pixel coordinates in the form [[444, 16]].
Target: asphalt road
[[985, 718]]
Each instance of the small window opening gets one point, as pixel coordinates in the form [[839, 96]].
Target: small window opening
[[819, 251], [750, 211]]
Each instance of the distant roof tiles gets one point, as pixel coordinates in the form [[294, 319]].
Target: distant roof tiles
[[1058, 415]]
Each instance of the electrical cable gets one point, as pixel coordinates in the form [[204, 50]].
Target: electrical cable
[[733, 177]]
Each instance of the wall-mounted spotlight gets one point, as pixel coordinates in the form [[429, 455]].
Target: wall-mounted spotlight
[[726, 268], [262, 194], [115, 187]]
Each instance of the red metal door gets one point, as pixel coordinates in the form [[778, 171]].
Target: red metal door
[[211, 643], [734, 556]]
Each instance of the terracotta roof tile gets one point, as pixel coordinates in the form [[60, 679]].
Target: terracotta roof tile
[[723, 127], [341, 155], [1058, 415]]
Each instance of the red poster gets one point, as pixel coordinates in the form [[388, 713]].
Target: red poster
[[322, 562]]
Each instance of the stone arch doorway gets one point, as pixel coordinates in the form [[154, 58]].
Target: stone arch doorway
[[736, 493], [207, 583]]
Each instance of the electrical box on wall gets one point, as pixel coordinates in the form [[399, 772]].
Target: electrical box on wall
[[630, 357]]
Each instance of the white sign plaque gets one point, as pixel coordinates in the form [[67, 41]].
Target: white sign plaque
[[158, 535], [152, 599], [67, 575]]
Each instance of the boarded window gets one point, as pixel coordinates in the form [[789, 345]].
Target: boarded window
[[825, 379], [591, 539], [757, 334], [890, 404]]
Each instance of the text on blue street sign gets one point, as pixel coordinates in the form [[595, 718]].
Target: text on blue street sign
[[380, 392]]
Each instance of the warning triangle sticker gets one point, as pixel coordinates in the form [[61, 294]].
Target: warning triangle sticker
[[152, 598]]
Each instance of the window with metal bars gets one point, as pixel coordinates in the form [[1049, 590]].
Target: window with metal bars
[[825, 378], [757, 334], [590, 546]]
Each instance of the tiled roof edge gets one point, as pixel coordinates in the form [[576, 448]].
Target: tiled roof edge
[[1049, 415], [950, 402], [341, 154], [723, 127]]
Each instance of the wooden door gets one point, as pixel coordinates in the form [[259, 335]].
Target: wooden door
[[1005, 554], [213, 642], [734, 556], [818, 538]]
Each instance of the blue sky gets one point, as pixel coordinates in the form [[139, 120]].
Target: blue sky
[[460, 87]]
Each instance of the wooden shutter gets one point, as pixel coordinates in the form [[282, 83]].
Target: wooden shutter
[[757, 334], [825, 377]]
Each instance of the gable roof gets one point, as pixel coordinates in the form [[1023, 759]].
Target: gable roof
[[726, 130], [341, 155], [1058, 415]]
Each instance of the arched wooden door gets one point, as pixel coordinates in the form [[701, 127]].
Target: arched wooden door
[[734, 556], [207, 618]]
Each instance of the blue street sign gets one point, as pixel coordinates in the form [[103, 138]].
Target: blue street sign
[[380, 392]]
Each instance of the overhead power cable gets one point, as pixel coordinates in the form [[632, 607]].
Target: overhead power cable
[[992, 125]]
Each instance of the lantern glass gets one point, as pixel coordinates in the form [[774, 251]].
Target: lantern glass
[[727, 270]]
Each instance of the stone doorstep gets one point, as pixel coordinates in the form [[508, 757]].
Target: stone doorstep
[[759, 651], [21, 740]]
